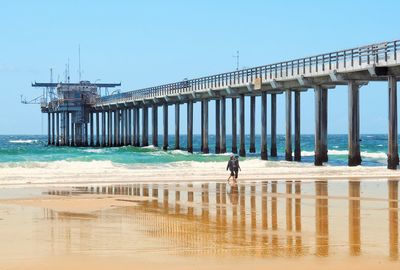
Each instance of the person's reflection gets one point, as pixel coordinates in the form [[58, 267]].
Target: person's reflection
[[354, 218], [394, 219], [321, 218]]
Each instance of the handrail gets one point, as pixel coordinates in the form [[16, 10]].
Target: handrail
[[369, 54]]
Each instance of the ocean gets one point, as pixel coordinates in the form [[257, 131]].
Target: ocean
[[31, 149]]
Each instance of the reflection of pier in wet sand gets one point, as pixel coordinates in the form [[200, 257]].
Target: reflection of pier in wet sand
[[263, 219]]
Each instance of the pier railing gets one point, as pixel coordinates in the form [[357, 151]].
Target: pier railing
[[340, 60]]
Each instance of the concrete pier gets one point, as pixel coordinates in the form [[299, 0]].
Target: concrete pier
[[177, 122], [206, 150], [354, 158], [130, 141], [217, 126], [190, 126], [48, 128], [91, 127], [252, 124], [297, 133], [116, 127], [53, 129], [288, 138], [67, 124], [223, 125], [242, 150], [393, 156], [103, 129], [145, 126], [154, 125], [274, 152], [58, 129], [324, 123], [234, 126], [264, 149], [137, 123], [72, 134], [109, 133], [165, 126], [124, 140], [62, 128], [97, 129], [319, 157]]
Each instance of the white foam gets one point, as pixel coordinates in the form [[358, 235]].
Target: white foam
[[94, 150], [23, 141]]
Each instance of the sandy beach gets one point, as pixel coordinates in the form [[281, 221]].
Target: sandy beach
[[349, 224]]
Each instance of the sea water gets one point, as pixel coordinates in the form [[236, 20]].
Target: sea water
[[22, 149]]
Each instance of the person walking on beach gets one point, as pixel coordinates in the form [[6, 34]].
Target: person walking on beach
[[231, 167], [236, 167]]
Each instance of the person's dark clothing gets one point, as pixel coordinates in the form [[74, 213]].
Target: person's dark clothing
[[231, 165], [236, 167]]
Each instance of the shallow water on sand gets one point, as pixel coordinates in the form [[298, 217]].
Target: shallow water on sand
[[328, 221]]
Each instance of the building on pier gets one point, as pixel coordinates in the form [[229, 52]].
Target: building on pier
[[355, 67]]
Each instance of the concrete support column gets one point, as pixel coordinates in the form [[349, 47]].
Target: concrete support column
[[58, 128], [109, 123], [288, 139], [325, 125], [205, 127], [217, 126], [190, 126], [165, 126], [145, 126], [297, 147], [123, 126], [116, 128], [134, 136], [274, 152], [234, 126], [154, 125], [129, 126], [137, 127], [202, 125], [79, 134], [393, 156], [97, 129], [177, 122], [252, 124], [62, 128], [242, 150], [67, 129], [53, 132], [264, 148], [91, 125], [103, 129], [48, 129], [73, 135], [318, 127], [354, 124], [223, 125]]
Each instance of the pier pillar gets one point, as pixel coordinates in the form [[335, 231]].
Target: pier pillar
[[79, 134], [116, 128], [130, 141], [217, 126], [223, 125], [53, 140], [234, 126], [91, 125], [109, 123], [354, 158], [242, 150], [103, 129], [288, 137], [177, 122], [190, 126], [297, 133], [393, 156], [67, 129], [97, 129], [205, 127], [62, 128], [145, 126], [318, 127], [274, 152], [165, 126], [201, 125], [264, 149], [154, 116], [134, 135], [123, 127], [137, 127], [252, 124], [48, 129], [324, 125], [58, 128], [72, 132]]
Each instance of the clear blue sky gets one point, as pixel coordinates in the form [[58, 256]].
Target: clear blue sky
[[154, 42]]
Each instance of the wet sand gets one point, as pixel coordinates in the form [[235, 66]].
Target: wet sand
[[347, 224]]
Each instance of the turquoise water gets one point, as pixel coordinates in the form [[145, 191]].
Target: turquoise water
[[33, 148]]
